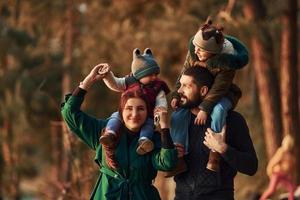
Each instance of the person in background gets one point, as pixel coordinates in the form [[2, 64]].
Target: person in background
[[280, 169]]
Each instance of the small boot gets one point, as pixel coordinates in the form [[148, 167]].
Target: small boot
[[108, 139], [213, 163], [110, 156], [180, 167], [145, 146]]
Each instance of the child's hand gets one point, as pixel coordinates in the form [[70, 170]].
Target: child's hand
[[201, 118], [104, 69], [174, 103]]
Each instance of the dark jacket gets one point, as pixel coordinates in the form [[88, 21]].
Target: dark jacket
[[201, 183], [223, 68], [133, 179]]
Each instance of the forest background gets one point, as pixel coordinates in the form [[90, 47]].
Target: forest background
[[47, 47]]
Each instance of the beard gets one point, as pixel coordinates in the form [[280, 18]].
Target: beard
[[189, 103]]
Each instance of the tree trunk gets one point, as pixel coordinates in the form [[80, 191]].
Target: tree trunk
[[265, 75], [10, 162], [289, 73], [66, 82]]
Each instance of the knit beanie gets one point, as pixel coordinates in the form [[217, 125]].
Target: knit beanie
[[143, 64], [209, 38]]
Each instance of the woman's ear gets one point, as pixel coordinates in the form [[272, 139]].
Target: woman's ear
[[203, 91]]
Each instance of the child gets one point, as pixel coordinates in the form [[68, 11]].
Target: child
[[222, 57], [144, 71]]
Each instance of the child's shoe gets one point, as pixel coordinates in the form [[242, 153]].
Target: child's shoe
[[108, 139], [145, 146], [213, 163], [110, 156], [180, 167]]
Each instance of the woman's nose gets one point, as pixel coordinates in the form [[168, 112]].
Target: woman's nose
[[134, 112]]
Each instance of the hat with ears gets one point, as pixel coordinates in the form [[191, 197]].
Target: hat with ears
[[209, 38], [143, 64]]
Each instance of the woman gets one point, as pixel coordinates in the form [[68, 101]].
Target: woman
[[280, 169], [133, 177]]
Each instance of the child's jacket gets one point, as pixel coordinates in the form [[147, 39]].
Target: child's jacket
[[222, 67]]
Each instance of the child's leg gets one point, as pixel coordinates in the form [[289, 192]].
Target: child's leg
[[180, 120], [109, 139], [219, 114], [218, 120], [114, 123], [145, 143], [147, 129]]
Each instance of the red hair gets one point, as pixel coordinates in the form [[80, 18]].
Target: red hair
[[132, 94]]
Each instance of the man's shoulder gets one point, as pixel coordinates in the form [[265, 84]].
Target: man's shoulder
[[235, 116]]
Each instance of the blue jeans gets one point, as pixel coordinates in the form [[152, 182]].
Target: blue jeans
[[181, 118], [219, 114], [114, 124]]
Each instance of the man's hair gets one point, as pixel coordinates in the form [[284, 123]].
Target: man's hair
[[202, 77]]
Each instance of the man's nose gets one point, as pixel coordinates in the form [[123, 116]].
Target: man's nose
[[179, 90]]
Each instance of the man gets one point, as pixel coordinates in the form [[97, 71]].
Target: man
[[233, 144]]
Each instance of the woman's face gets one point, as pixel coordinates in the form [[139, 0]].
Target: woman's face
[[134, 114]]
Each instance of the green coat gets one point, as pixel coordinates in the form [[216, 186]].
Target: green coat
[[133, 179]]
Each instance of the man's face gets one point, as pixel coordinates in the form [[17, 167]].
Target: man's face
[[189, 92]]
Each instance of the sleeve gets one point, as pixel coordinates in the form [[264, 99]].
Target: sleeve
[[161, 100], [240, 154], [219, 89], [115, 83], [165, 157], [86, 127]]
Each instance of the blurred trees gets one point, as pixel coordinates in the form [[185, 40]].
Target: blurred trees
[[265, 72], [40, 53], [289, 74]]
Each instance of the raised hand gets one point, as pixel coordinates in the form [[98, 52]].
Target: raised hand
[[93, 76], [104, 69]]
